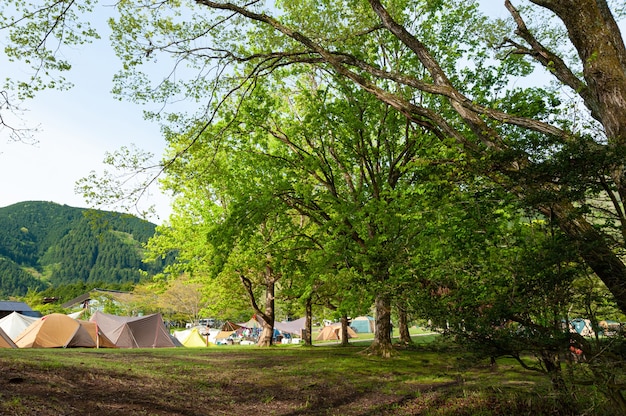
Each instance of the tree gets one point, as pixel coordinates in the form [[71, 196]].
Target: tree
[[479, 122], [453, 82], [60, 24], [184, 297]]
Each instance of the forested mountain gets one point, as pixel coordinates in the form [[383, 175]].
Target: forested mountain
[[44, 244]]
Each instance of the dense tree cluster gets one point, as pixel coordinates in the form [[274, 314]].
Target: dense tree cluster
[[44, 244], [15, 281]]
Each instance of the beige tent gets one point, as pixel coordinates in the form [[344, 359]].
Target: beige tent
[[333, 332], [60, 331], [5, 340]]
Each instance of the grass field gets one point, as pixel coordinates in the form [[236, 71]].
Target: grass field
[[285, 380]]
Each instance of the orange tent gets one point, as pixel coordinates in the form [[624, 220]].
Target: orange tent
[[333, 332], [5, 340], [60, 331]]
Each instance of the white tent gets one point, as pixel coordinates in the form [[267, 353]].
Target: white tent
[[15, 323]]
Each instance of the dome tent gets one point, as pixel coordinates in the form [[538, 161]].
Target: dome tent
[[333, 332], [60, 331], [6, 341], [15, 323], [363, 324]]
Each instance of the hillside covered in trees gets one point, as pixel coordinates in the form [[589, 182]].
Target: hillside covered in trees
[[44, 244]]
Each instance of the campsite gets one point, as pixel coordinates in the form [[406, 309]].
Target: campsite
[[130, 366]]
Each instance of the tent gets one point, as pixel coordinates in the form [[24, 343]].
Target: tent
[[100, 340], [230, 326], [191, 338], [363, 324], [134, 332], [582, 326], [60, 331], [15, 323], [253, 323], [333, 332], [6, 341]]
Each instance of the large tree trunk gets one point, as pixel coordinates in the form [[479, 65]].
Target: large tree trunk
[[344, 331], [403, 327], [593, 249], [382, 337], [600, 46], [308, 326], [267, 335]]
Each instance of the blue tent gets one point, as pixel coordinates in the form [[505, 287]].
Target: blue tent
[[363, 325], [582, 326]]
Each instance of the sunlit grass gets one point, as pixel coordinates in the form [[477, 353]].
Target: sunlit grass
[[291, 379]]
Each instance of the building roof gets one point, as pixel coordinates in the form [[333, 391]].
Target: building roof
[[8, 306], [77, 300], [87, 296], [12, 306]]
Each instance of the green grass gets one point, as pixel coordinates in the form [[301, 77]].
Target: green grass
[[290, 380]]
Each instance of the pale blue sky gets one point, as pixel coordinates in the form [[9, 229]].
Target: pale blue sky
[[75, 129]]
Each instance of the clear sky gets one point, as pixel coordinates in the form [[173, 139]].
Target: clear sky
[[75, 129]]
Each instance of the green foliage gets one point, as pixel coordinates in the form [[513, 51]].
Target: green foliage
[[16, 281], [60, 24], [44, 244]]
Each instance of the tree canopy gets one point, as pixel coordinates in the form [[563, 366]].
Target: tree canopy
[[443, 65]]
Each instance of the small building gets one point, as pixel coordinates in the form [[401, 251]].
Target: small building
[[8, 306]]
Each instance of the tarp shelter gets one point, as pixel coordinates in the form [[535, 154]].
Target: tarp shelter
[[221, 336], [333, 332], [134, 332], [60, 331], [363, 324], [291, 327], [191, 338], [6, 341], [15, 323]]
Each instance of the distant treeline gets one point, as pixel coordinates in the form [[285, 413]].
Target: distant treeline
[[46, 245]]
